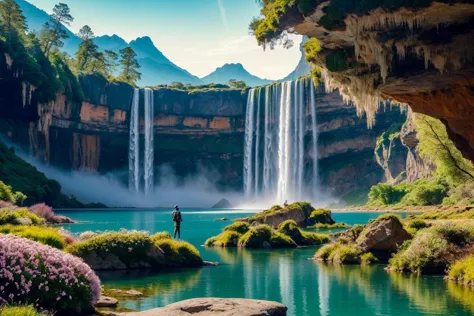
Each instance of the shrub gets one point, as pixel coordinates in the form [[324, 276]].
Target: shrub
[[239, 227], [368, 258], [427, 253], [321, 215], [42, 210], [225, 239], [331, 226], [86, 235], [418, 224], [161, 235], [19, 216], [325, 252], [300, 237], [456, 234], [6, 193], [346, 254], [45, 235], [19, 311], [462, 271], [256, 237], [32, 273], [304, 207], [179, 253], [128, 246], [279, 240]]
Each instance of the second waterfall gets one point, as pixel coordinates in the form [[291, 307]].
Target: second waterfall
[[280, 155], [134, 143]]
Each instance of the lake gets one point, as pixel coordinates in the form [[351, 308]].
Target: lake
[[287, 276]]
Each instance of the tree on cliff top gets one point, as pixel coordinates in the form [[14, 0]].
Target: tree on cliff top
[[53, 31], [13, 22], [237, 84], [130, 65]]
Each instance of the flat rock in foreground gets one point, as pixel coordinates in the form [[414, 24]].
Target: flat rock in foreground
[[217, 306]]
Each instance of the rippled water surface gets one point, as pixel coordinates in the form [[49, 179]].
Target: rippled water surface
[[287, 276]]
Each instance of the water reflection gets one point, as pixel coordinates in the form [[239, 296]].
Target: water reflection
[[462, 294]]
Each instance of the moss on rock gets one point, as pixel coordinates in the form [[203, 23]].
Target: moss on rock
[[300, 237]]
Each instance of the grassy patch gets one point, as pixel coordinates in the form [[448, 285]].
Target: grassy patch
[[225, 239], [451, 213], [45, 235], [331, 226], [238, 227], [18, 216], [462, 271], [20, 311], [179, 253], [300, 237], [321, 215], [304, 207]]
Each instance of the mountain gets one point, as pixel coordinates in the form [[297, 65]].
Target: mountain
[[36, 18], [303, 68], [234, 71], [155, 67]]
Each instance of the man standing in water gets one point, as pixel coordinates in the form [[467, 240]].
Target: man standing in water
[[177, 219]]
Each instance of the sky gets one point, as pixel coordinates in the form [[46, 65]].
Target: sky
[[198, 35]]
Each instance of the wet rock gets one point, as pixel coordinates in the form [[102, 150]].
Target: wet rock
[[216, 306], [59, 219], [386, 234], [210, 264], [105, 301], [222, 219]]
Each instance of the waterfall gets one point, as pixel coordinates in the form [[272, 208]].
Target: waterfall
[[276, 165], [314, 128], [249, 136], [134, 144], [149, 148]]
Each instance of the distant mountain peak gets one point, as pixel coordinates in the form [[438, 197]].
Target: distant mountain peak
[[235, 71]]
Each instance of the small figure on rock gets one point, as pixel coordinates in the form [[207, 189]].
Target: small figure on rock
[[177, 219], [285, 204]]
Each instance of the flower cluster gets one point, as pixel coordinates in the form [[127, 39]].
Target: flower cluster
[[32, 273], [42, 210]]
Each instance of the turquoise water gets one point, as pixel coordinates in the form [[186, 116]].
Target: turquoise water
[[305, 286]]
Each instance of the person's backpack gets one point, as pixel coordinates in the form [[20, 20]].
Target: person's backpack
[[176, 216]]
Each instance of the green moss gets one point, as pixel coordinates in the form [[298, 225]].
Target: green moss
[[179, 253], [225, 239], [321, 215], [368, 258], [256, 237], [300, 237], [279, 240], [462, 271], [312, 47], [160, 235], [45, 235], [331, 226], [239, 227], [20, 311], [18, 216], [304, 207]]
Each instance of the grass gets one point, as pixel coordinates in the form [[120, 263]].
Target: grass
[[321, 215], [45, 235], [304, 207], [466, 212], [462, 271], [161, 235], [331, 226], [225, 239], [238, 227], [20, 311], [18, 216], [300, 237], [179, 253]]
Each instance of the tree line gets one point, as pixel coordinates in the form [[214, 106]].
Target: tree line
[[50, 39]]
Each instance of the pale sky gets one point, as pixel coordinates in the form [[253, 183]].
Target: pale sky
[[198, 35]]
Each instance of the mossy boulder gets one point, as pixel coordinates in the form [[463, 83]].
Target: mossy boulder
[[298, 212], [225, 239], [384, 235], [135, 250], [300, 237], [263, 236], [320, 216]]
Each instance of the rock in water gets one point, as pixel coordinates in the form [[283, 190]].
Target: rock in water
[[385, 234], [105, 301], [218, 307], [223, 203]]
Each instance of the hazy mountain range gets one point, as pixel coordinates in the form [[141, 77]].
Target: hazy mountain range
[[156, 68]]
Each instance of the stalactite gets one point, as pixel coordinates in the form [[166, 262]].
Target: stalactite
[[8, 60]]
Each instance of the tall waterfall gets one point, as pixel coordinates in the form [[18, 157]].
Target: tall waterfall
[[149, 150], [134, 144], [281, 153], [135, 171]]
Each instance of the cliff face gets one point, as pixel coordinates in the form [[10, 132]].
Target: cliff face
[[193, 131], [416, 53]]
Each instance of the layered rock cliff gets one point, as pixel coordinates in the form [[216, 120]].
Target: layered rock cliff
[[413, 52]]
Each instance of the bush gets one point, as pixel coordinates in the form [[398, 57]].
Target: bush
[[428, 253], [161, 235], [304, 207], [368, 258], [19, 311], [418, 224], [42, 210], [331, 226], [455, 234], [45, 235], [462, 271], [32, 273], [239, 227], [346, 254], [19, 216], [321, 215], [87, 235], [179, 253], [300, 237], [128, 246], [279, 240], [225, 239], [325, 252], [256, 237]]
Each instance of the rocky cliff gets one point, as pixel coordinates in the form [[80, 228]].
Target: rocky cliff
[[414, 52], [194, 130]]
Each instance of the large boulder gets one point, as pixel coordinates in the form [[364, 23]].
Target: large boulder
[[216, 306], [223, 203], [385, 234]]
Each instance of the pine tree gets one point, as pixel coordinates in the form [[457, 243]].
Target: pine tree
[[88, 50], [111, 62], [130, 65], [12, 20], [53, 32]]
